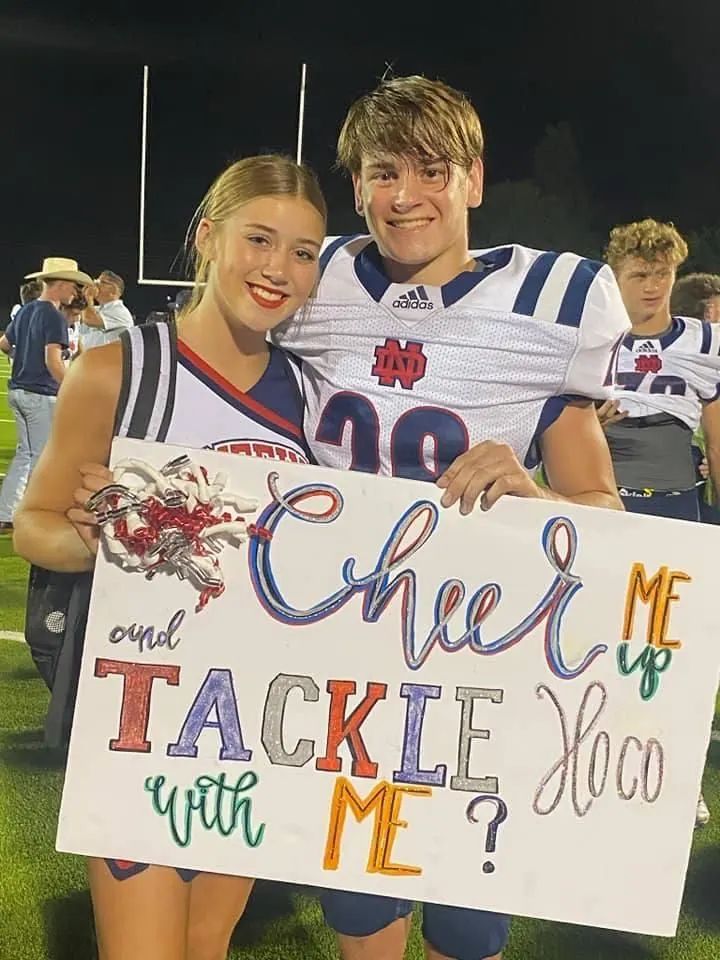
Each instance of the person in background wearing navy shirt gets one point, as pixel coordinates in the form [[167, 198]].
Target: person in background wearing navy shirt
[[36, 337]]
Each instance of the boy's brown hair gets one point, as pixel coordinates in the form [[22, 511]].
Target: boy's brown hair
[[692, 294], [413, 117]]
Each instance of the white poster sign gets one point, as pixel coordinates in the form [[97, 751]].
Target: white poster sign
[[509, 710]]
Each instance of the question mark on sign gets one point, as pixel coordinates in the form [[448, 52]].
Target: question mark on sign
[[492, 827]]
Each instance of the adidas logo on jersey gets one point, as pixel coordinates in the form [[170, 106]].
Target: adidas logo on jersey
[[646, 347], [416, 299]]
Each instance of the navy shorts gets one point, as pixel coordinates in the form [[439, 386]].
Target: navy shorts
[[457, 932], [680, 505], [124, 869], [709, 513]]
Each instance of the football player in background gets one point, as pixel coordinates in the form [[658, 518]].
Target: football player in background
[[668, 382], [668, 378], [422, 359]]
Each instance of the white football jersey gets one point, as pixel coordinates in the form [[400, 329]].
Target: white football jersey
[[673, 373], [401, 379]]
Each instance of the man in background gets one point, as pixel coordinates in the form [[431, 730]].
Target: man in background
[[36, 337], [103, 321]]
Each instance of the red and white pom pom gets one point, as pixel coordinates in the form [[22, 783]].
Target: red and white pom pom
[[176, 522]]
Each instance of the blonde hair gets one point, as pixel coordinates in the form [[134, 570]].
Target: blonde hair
[[413, 117], [270, 175], [647, 239]]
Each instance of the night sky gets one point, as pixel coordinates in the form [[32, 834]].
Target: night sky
[[638, 83]]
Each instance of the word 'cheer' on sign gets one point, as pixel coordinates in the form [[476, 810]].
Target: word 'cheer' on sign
[[376, 694]]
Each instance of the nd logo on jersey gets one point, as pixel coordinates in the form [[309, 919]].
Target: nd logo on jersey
[[397, 364], [648, 363]]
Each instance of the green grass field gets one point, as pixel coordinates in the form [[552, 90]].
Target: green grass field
[[44, 903]]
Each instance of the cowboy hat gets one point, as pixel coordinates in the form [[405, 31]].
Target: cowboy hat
[[60, 268]]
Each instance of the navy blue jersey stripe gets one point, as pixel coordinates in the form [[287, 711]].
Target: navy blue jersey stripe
[[170, 399], [713, 398], [573, 302], [534, 281], [706, 338], [613, 364], [677, 329], [551, 411], [296, 388], [297, 363], [370, 273], [485, 266]]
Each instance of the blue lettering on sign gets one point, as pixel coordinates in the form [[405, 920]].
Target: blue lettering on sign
[[392, 576]]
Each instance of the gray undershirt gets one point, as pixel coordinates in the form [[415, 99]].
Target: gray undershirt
[[652, 452]]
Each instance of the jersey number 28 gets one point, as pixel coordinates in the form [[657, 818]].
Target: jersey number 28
[[423, 442]]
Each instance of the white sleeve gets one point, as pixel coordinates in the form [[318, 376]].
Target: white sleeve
[[602, 323], [116, 316], [285, 335], [698, 359], [709, 373]]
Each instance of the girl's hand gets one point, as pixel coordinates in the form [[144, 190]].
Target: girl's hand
[[94, 476]]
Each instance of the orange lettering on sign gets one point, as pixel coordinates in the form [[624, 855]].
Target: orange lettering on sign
[[384, 801], [659, 592]]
